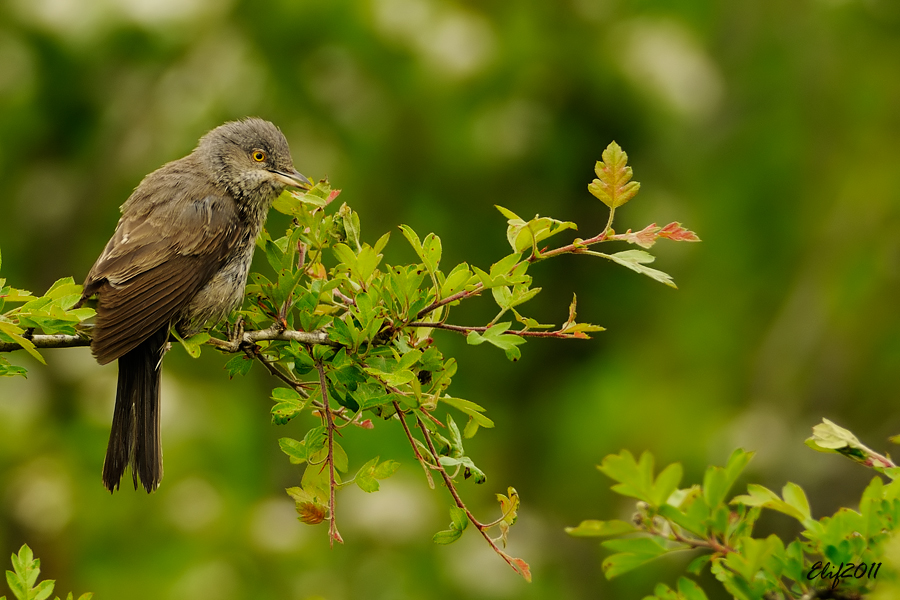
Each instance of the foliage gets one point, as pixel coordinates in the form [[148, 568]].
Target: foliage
[[351, 339], [23, 577], [834, 557], [52, 313]]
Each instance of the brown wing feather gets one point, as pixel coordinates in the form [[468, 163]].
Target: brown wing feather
[[175, 233]]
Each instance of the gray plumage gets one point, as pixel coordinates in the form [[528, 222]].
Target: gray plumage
[[179, 257]]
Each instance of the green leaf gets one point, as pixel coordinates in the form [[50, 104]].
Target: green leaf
[[288, 404], [339, 455], [635, 478], [14, 334], [695, 567], [382, 242], [413, 238], [635, 260], [689, 590], [193, 343], [505, 264], [752, 555], [385, 469], [470, 408], [666, 483], [688, 520], [495, 334], [763, 497], [594, 528], [448, 536], [368, 475], [459, 520], [42, 591], [465, 462], [830, 437], [396, 378], [634, 552], [524, 235], [613, 186], [238, 365], [456, 281], [296, 450]]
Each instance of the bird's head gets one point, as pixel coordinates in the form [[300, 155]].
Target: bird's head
[[251, 159]]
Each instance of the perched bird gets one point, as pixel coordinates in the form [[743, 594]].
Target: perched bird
[[179, 258]]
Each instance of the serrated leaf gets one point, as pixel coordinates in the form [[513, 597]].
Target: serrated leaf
[[14, 334], [689, 590], [765, 498], [636, 261], [830, 437], [634, 478], [238, 365], [524, 235], [43, 590], [675, 232], [613, 185], [495, 335]]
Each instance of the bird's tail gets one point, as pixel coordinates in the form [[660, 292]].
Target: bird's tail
[[134, 439]]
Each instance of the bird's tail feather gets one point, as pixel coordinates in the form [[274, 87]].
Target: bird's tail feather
[[134, 440]]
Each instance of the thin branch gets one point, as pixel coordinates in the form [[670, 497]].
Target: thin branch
[[476, 290], [412, 442], [273, 333], [298, 386], [459, 502], [522, 333], [574, 247], [333, 533]]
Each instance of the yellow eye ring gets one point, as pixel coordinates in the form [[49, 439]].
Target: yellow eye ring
[[258, 155]]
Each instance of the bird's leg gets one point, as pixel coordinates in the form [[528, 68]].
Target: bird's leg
[[236, 333]]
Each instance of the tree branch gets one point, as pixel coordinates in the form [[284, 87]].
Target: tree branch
[[271, 334], [49, 341]]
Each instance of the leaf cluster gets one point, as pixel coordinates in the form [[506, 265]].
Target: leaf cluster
[[833, 557], [23, 583], [52, 313]]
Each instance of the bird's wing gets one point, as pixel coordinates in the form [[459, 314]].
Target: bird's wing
[[159, 257]]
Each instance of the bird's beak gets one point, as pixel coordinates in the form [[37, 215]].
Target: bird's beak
[[295, 179]]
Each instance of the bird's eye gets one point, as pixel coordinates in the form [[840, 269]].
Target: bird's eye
[[258, 155]]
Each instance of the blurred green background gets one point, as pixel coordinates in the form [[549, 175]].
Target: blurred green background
[[770, 128]]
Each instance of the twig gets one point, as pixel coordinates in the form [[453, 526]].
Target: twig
[[274, 333], [415, 449], [333, 533], [482, 329], [459, 502], [298, 386], [476, 290]]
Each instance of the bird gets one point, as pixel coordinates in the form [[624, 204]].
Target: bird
[[178, 258]]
